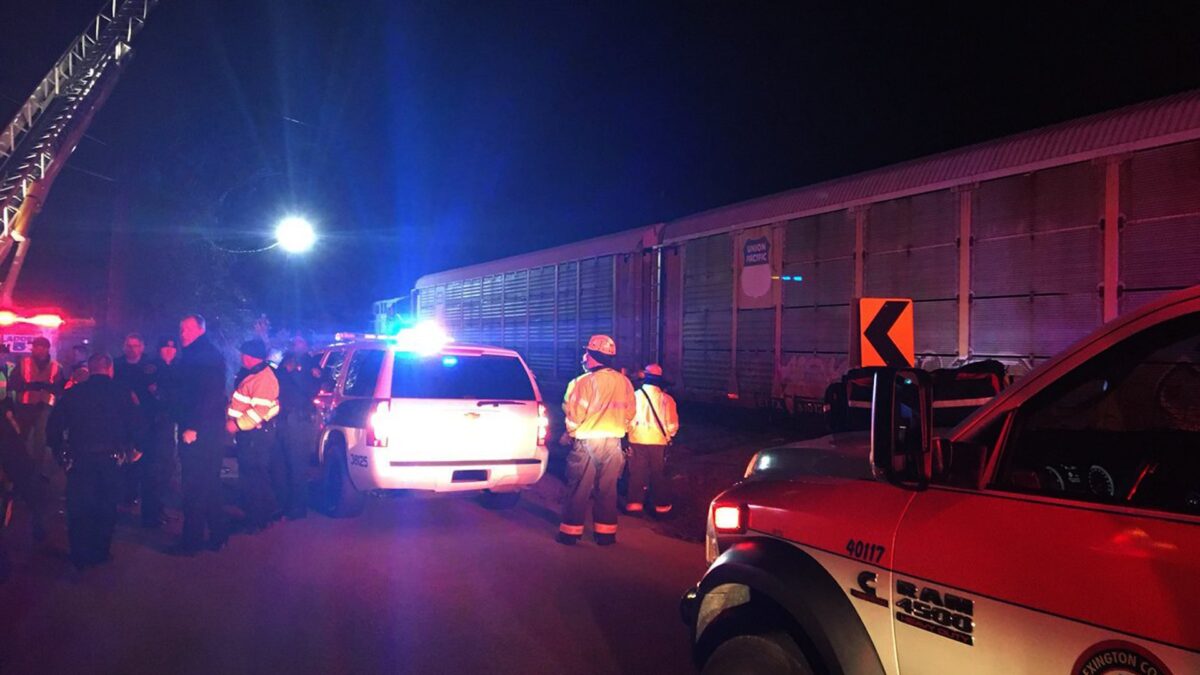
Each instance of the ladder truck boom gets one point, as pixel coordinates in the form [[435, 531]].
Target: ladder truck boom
[[36, 144]]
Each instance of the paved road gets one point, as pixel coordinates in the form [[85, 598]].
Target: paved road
[[418, 584]]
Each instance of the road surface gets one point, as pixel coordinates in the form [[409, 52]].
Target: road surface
[[418, 584]]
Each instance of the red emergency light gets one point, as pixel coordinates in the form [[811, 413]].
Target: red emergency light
[[8, 318]]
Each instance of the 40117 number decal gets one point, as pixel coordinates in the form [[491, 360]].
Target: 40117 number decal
[[864, 550]]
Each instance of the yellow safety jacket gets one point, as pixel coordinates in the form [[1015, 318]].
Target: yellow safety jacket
[[256, 400], [645, 430], [599, 404], [51, 375]]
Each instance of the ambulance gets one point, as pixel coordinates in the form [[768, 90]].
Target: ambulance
[[1055, 530]]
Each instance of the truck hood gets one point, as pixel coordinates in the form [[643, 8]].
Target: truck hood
[[843, 455]]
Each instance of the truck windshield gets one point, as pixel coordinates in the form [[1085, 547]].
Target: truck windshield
[[460, 377]]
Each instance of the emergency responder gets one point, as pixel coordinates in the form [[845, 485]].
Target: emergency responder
[[142, 480], [251, 417], [162, 422], [37, 382], [599, 407], [92, 432], [654, 425], [297, 433], [201, 417]]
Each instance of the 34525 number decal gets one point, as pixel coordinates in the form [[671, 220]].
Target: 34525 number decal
[[863, 550]]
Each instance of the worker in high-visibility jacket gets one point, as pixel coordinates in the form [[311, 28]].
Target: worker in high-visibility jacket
[[36, 383], [599, 406], [654, 426], [252, 411]]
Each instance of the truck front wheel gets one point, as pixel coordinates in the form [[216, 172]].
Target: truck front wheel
[[774, 653]]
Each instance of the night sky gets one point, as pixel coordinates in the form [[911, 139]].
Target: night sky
[[427, 135]]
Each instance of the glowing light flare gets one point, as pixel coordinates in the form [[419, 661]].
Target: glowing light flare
[[425, 339], [543, 429], [8, 318], [295, 235], [728, 519], [380, 425]]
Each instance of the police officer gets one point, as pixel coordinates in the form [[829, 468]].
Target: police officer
[[162, 423], [136, 372], [654, 425], [298, 385], [201, 417], [252, 411], [599, 407], [92, 431]]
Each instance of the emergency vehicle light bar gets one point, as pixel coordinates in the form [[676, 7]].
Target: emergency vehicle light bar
[[424, 338], [8, 318]]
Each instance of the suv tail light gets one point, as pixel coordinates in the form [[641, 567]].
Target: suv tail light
[[543, 428], [730, 518], [379, 425]]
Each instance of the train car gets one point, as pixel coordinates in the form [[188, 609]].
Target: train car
[[1009, 250]]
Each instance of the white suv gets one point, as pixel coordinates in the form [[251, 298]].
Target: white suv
[[449, 418]]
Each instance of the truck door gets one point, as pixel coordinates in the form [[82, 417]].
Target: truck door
[[1080, 553]]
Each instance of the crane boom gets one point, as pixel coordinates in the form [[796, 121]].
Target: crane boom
[[42, 135]]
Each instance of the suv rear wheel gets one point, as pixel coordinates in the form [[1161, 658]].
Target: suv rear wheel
[[774, 653], [339, 496]]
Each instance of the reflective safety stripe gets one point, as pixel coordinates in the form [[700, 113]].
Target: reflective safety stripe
[[234, 413], [603, 528], [662, 509], [633, 507], [271, 412], [252, 414], [242, 398], [573, 530]]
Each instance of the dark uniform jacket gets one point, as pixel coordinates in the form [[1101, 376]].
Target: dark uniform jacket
[[137, 377], [200, 386], [95, 418], [297, 389]]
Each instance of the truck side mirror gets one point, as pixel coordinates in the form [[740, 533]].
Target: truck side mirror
[[901, 427]]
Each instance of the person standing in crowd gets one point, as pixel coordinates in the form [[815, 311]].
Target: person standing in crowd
[[201, 414], [92, 432], [162, 432], [654, 425], [19, 470], [252, 411], [6, 368], [298, 386], [136, 373], [37, 383], [599, 407]]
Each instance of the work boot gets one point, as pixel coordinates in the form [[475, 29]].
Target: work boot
[[566, 539], [606, 539]]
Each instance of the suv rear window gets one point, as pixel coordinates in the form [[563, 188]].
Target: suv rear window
[[459, 377]]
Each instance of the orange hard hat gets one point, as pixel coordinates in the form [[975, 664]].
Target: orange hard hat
[[654, 369]]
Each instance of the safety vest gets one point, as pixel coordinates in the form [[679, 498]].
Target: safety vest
[[256, 400], [599, 404], [645, 429], [29, 374]]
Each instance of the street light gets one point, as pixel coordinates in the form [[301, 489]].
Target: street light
[[294, 234]]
